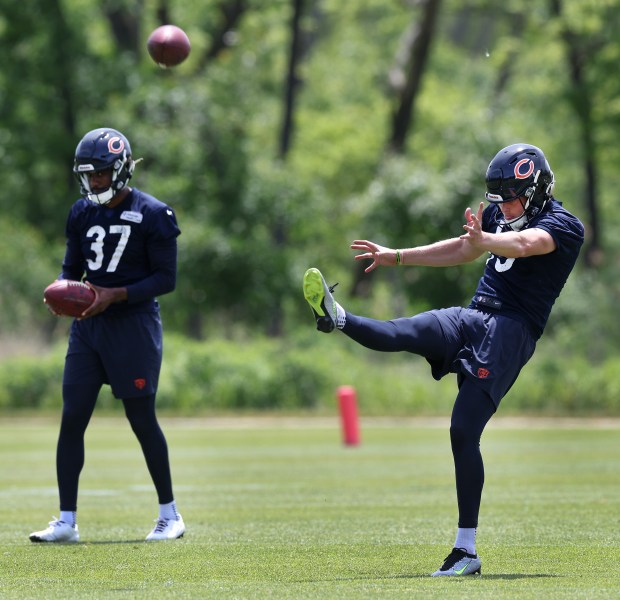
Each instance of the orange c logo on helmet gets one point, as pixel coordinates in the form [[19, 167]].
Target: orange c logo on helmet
[[519, 174], [116, 145]]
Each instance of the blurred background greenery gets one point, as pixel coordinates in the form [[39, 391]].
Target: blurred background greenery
[[294, 127]]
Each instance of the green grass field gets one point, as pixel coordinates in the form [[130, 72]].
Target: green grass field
[[281, 509]]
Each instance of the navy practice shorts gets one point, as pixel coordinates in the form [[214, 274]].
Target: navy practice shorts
[[124, 351], [489, 348]]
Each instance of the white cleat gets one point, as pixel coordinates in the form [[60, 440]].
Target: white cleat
[[167, 529], [58, 531]]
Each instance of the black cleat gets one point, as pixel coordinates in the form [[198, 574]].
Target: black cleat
[[459, 563]]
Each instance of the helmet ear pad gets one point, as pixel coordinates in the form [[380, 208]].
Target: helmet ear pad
[[122, 172]]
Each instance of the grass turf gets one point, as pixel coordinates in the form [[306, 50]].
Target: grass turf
[[283, 510]]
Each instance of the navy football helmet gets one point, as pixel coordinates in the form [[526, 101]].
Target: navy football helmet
[[520, 171], [101, 150]]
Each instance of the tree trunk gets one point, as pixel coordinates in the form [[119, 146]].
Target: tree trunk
[[232, 11], [406, 80], [292, 80], [64, 55], [406, 76], [577, 58], [126, 26], [279, 232]]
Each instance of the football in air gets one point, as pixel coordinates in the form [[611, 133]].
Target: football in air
[[68, 298], [168, 45]]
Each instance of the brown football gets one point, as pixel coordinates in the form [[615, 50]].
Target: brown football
[[168, 45], [68, 298]]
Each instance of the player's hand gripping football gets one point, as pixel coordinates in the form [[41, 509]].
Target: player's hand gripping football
[[50, 309], [103, 298]]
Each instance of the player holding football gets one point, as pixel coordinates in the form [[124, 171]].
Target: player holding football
[[532, 244], [125, 242]]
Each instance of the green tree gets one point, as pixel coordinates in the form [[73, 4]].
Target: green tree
[[210, 133]]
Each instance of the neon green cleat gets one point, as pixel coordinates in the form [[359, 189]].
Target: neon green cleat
[[319, 297]]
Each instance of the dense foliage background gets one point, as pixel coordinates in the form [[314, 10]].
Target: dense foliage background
[[294, 127]]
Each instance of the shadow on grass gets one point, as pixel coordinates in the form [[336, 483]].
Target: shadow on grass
[[508, 576], [109, 542], [95, 543], [92, 543], [519, 576]]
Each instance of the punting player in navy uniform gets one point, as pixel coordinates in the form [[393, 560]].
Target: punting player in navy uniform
[[532, 244], [124, 241]]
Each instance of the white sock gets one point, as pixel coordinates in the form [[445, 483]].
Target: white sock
[[466, 539], [168, 511], [68, 516], [341, 316]]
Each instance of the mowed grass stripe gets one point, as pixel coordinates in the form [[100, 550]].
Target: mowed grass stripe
[[289, 512]]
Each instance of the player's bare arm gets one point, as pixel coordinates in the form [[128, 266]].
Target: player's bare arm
[[446, 253], [509, 244]]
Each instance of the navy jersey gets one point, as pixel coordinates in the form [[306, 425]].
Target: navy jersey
[[132, 245], [526, 288]]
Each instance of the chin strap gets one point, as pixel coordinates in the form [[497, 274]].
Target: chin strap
[[104, 198], [516, 224]]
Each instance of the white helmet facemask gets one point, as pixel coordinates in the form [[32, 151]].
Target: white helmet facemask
[[121, 173]]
